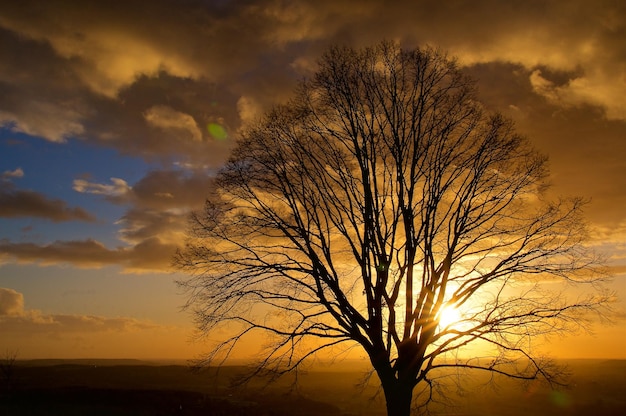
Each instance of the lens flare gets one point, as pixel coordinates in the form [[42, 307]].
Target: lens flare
[[217, 131], [560, 398]]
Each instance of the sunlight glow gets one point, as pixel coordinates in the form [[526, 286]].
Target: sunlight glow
[[449, 316]]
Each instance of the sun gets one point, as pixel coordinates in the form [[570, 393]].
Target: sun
[[449, 316]]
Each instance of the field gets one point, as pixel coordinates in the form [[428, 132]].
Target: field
[[101, 387]]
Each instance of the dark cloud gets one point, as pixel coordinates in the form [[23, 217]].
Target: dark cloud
[[151, 255], [99, 70], [584, 148], [87, 253], [39, 93], [16, 203], [153, 227], [166, 118], [149, 81], [172, 189], [42, 95], [159, 204]]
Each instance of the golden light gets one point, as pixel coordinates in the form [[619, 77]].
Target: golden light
[[449, 316]]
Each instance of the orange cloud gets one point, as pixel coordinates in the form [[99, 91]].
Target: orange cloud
[[112, 52], [168, 119], [13, 318], [36, 334], [11, 302]]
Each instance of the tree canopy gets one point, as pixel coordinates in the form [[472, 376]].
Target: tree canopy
[[379, 198]]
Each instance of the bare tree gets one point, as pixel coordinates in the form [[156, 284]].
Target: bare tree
[[381, 197], [7, 369]]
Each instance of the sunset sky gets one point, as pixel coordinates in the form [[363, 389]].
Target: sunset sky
[[114, 115]]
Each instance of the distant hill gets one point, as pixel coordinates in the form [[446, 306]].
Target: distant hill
[[137, 387], [45, 362]]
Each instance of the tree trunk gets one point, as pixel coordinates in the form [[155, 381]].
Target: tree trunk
[[398, 398]]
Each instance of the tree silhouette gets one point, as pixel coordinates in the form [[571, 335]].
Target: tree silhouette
[[8, 363], [376, 200]]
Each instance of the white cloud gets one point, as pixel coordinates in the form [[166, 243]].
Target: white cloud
[[9, 174], [119, 187]]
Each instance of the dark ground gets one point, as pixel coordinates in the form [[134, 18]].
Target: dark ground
[[96, 387]]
